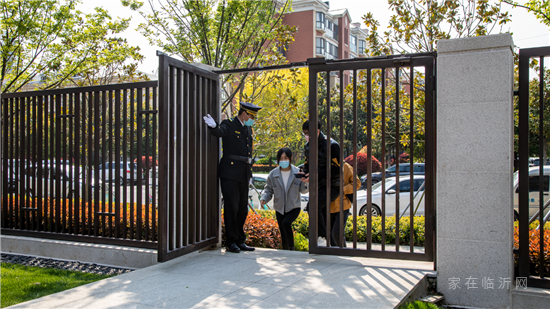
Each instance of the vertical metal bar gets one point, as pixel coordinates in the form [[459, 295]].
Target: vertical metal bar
[[355, 124], [397, 142], [204, 163], [383, 180], [92, 170], [50, 177], [108, 137], [78, 171], [62, 164], [542, 162], [6, 172], [341, 154], [69, 164], [39, 176], [184, 215], [125, 160], [36, 139], [148, 165], [133, 186], [96, 137], [328, 162], [107, 166], [177, 164], [155, 175], [171, 158], [139, 184], [192, 185], [163, 151], [118, 164], [20, 165], [208, 161], [369, 159], [57, 163], [28, 162], [313, 159], [11, 157], [198, 162], [411, 160]]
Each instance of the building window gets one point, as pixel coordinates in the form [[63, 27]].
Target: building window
[[335, 32], [320, 20], [320, 44], [332, 51], [353, 43], [346, 36], [362, 47], [329, 28]]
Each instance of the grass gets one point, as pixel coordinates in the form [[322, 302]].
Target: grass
[[418, 305], [22, 283]]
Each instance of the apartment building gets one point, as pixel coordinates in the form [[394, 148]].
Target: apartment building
[[323, 32]]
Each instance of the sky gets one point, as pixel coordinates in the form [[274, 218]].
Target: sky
[[527, 30]]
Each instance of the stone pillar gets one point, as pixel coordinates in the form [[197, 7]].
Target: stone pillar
[[474, 170]]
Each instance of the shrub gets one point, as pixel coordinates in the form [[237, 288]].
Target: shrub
[[300, 242], [534, 248], [147, 162], [362, 163], [376, 230], [262, 232], [261, 168], [265, 161]]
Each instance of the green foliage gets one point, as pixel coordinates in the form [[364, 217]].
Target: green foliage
[[404, 230], [24, 283], [283, 95], [226, 34], [61, 45], [301, 243], [418, 305], [301, 224], [541, 9], [265, 160], [416, 26]]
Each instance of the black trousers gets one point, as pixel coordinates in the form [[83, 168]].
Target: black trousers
[[322, 207], [235, 210], [285, 225], [336, 229]]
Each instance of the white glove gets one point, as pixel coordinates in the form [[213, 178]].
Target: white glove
[[209, 121]]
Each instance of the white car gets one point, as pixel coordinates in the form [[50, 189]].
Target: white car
[[125, 171], [391, 194], [534, 196]]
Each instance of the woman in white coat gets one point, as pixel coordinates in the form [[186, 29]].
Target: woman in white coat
[[285, 188]]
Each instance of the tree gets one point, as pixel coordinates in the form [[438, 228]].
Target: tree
[[226, 34], [417, 25], [541, 9], [53, 41], [285, 108]]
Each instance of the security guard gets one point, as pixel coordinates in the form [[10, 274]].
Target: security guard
[[235, 171]]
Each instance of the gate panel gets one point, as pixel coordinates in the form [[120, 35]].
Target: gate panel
[[188, 195], [390, 69]]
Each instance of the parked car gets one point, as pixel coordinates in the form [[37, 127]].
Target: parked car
[[404, 169], [534, 161], [391, 194], [125, 171], [534, 189]]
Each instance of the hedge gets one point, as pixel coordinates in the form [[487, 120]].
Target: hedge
[[261, 168], [534, 247]]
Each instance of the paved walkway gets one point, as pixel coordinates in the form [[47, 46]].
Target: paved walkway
[[264, 278]]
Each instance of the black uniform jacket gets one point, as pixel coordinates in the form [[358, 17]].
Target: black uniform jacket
[[322, 161], [237, 140]]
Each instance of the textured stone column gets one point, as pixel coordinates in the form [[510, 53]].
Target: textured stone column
[[474, 170]]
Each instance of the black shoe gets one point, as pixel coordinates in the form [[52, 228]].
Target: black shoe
[[233, 248], [244, 247]]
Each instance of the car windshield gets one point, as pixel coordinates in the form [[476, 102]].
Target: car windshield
[[379, 184]]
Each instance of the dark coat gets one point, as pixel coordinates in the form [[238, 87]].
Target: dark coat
[[237, 140], [322, 161]]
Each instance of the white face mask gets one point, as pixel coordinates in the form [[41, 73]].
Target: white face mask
[[307, 138]]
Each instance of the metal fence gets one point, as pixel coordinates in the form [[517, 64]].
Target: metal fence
[[532, 244], [400, 87], [79, 164]]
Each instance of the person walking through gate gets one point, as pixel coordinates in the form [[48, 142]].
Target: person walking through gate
[[235, 171], [283, 185], [322, 174]]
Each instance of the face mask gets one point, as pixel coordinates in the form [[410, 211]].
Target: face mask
[[284, 164], [249, 122], [307, 138]]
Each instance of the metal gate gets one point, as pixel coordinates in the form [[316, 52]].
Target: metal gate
[[189, 216], [368, 82], [531, 260]]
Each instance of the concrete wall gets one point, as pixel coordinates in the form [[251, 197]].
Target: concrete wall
[[474, 170], [107, 255]]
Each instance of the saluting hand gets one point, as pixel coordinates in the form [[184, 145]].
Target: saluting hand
[[209, 121]]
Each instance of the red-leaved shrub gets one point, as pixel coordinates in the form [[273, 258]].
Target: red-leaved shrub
[[362, 163], [260, 232]]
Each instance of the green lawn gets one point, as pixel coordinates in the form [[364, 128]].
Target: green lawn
[[23, 283], [418, 305]]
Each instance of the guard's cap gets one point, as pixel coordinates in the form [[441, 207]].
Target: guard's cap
[[250, 108]]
